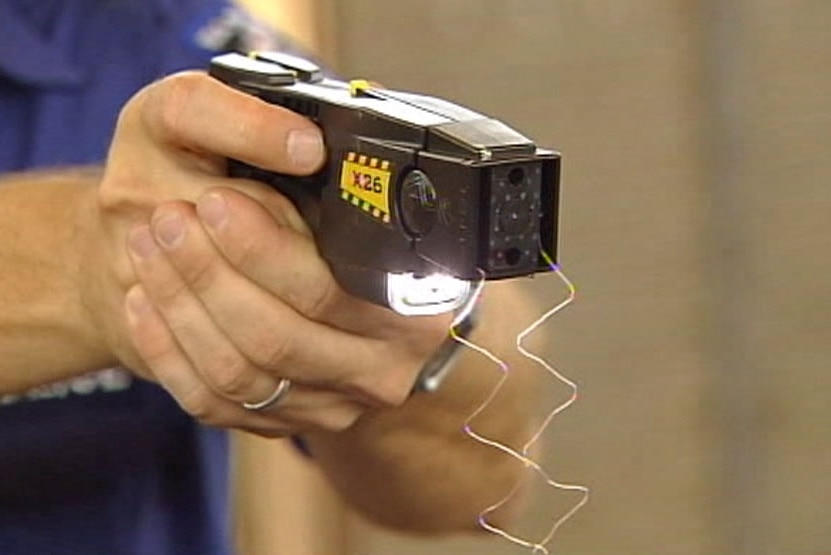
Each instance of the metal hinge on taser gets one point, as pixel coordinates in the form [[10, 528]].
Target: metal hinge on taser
[[420, 198]]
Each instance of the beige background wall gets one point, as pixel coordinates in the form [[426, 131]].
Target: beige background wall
[[695, 214], [611, 87]]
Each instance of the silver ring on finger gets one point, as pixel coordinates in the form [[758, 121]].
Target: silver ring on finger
[[278, 395]]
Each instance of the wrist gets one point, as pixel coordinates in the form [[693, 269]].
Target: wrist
[[101, 273]]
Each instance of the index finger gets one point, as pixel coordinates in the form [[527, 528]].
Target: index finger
[[197, 113]]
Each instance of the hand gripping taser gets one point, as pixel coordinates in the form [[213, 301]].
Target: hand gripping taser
[[420, 198], [419, 203]]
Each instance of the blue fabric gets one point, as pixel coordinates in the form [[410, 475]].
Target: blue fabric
[[103, 464], [66, 77]]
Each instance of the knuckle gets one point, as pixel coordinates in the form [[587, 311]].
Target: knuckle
[[391, 387], [397, 392], [134, 110], [402, 376], [269, 350], [288, 249], [279, 246], [170, 297], [341, 422], [252, 124], [337, 417], [246, 253], [281, 208], [283, 211], [198, 403], [271, 432], [124, 190], [231, 376], [166, 103], [321, 300], [201, 274]]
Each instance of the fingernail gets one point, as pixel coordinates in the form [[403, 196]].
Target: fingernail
[[137, 302], [212, 210], [305, 147], [169, 230], [141, 242]]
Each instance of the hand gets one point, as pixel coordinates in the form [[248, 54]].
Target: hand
[[223, 290]]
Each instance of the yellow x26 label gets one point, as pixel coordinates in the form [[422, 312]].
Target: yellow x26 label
[[365, 183]]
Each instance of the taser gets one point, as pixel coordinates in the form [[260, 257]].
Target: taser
[[420, 198]]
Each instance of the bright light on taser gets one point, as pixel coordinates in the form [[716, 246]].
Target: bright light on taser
[[425, 295]]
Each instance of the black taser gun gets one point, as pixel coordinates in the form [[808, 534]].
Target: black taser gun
[[419, 199]]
